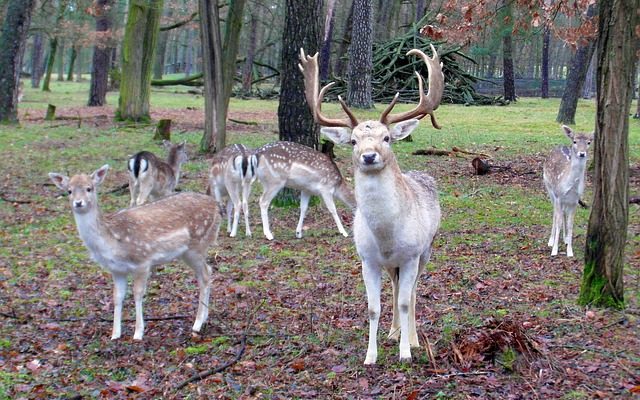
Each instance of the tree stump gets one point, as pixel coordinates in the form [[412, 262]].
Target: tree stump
[[163, 130], [51, 113], [480, 166]]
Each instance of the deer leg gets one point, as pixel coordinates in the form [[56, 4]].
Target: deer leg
[[304, 206], [406, 283], [413, 332], [246, 191], [372, 281], [571, 212], [202, 270], [394, 332], [144, 191], [553, 221], [119, 291], [557, 225], [235, 199], [265, 201], [133, 190], [139, 287], [328, 201]]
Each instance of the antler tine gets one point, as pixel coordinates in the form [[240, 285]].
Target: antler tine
[[309, 67], [428, 103]]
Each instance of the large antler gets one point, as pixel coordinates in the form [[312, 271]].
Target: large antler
[[309, 67], [428, 103]]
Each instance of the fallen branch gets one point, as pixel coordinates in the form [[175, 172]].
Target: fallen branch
[[120, 188], [455, 151], [238, 121]]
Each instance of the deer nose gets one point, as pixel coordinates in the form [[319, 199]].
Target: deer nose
[[369, 158], [582, 154], [78, 203]]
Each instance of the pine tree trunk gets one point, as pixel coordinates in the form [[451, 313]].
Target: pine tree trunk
[[101, 55], [247, 70], [575, 78], [213, 138], [36, 60], [138, 48], [72, 62], [12, 41], [301, 30], [546, 37], [53, 47], [360, 63], [507, 52], [325, 51], [60, 59], [602, 282]]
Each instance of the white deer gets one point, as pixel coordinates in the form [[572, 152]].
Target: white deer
[[296, 166], [397, 214], [150, 177], [133, 240], [232, 172], [563, 175]]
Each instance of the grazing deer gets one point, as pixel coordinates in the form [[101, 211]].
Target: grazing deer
[[133, 240], [398, 214], [563, 175], [151, 178], [232, 172], [293, 165]]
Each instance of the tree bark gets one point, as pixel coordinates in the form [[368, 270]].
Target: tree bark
[[138, 48], [101, 54], [230, 46], [544, 72], [36, 60], [507, 52], [360, 63], [12, 42], [60, 59], [338, 68], [576, 77], [247, 70], [301, 30], [53, 48], [72, 62], [158, 65], [602, 281], [213, 138], [325, 52]]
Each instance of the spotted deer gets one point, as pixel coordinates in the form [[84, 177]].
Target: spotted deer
[[296, 166], [398, 214], [563, 175], [133, 240], [232, 172], [150, 177]]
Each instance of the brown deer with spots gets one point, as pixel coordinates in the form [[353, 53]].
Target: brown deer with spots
[[133, 240], [293, 165]]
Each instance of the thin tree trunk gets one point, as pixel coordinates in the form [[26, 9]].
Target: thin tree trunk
[[338, 68], [102, 52], [325, 52], [247, 70], [158, 65], [79, 65], [230, 45], [546, 37], [53, 48], [72, 62], [587, 88], [36, 60], [507, 52], [360, 57], [301, 30], [602, 283], [12, 41], [60, 54]]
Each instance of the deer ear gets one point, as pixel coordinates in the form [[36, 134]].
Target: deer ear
[[403, 129], [337, 135], [567, 131], [59, 180], [98, 175]]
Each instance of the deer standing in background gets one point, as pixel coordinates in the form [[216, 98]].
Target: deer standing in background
[[398, 214], [563, 175], [296, 166], [232, 172], [151, 178], [133, 240]]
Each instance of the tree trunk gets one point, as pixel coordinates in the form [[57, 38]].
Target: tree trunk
[[338, 68], [158, 65], [587, 88], [36, 60], [60, 58], [546, 37], [301, 30], [230, 45], [507, 53], [12, 42], [53, 47], [576, 77], [101, 55], [247, 70], [602, 281], [72, 62], [79, 66], [213, 138], [325, 52], [138, 48], [360, 64]]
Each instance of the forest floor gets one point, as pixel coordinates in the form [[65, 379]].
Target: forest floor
[[497, 315]]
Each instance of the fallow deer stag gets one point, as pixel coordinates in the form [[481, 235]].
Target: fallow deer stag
[[293, 165], [133, 240], [232, 172], [151, 178], [563, 175], [398, 214]]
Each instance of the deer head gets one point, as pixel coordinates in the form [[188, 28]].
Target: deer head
[[81, 188], [581, 142]]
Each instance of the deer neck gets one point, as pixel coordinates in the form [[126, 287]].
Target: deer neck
[[380, 194], [174, 162], [93, 231], [577, 166]]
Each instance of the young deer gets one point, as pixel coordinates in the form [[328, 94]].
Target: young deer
[[563, 175], [293, 165], [232, 172], [398, 214], [133, 240], [151, 178]]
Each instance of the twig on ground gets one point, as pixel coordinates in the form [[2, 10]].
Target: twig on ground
[[120, 188], [239, 121]]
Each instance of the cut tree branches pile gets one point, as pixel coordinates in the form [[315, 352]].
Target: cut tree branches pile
[[393, 72]]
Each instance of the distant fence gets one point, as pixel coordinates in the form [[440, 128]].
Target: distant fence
[[524, 87]]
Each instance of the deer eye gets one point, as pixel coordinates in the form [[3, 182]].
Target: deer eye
[[69, 191], [575, 142], [89, 189], [386, 139], [588, 143], [353, 142]]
